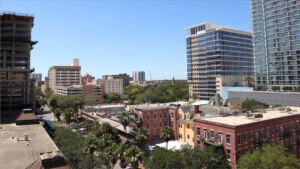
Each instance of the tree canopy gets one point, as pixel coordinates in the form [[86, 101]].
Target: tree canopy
[[165, 92], [113, 98], [189, 158], [253, 104], [274, 157]]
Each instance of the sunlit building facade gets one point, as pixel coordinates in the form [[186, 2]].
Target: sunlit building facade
[[276, 35]]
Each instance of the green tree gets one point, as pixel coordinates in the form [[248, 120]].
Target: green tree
[[133, 156], [141, 137], [92, 126], [111, 154], [167, 134], [113, 98], [253, 104], [121, 154], [68, 114], [58, 112], [271, 157], [90, 146], [48, 93], [53, 102], [124, 120]]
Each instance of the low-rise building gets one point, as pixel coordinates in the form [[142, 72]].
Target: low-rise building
[[236, 134], [126, 78], [154, 118], [185, 123], [95, 92]]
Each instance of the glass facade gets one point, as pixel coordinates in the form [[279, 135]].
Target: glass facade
[[276, 39], [213, 52]]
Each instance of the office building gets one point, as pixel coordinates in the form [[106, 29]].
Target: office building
[[216, 56], [138, 76], [16, 44], [75, 62], [236, 135], [276, 35], [63, 76], [126, 78], [112, 86], [36, 76], [94, 93]]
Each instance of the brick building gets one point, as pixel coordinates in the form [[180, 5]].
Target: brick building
[[154, 118], [235, 135]]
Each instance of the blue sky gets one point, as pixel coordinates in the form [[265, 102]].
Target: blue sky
[[121, 36]]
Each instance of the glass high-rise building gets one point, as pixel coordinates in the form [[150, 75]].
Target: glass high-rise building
[[276, 39], [217, 56]]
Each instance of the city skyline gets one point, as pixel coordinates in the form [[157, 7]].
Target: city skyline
[[120, 46]]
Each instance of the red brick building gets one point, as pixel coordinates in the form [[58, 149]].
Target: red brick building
[[235, 135], [154, 118]]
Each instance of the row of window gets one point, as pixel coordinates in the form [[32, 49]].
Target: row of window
[[166, 115]]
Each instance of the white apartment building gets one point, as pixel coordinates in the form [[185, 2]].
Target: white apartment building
[[138, 76], [63, 76]]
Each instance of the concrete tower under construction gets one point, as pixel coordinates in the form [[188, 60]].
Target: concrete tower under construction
[[16, 86]]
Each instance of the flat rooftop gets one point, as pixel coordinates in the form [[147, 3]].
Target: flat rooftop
[[243, 119], [20, 154], [151, 107]]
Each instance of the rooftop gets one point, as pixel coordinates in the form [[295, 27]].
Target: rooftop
[[242, 119], [16, 152], [145, 108]]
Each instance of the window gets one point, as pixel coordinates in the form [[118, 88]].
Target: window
[[228, 153], [148, 125], [251, 135], [165, 115], [160, 124], [172, 125], [238, 154], [219, 137], [239, 139], [198, 143], [178, 125], [154, 124], [171, 115], [188, 126], [245, 138], [256, 135], [281, 130], [205, 133], [212, 134], [198, 131], [154, 116], [165, 123], [148, 116], [272, 131], [160, 115], [188, 136], [228, 138]]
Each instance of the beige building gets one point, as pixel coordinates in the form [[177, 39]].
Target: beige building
[[88, 92], [63, 76], [113, 86]]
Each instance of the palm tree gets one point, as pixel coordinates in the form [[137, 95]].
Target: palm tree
[[121, 154], [141, 137], [58, 113], [111, 154], [133, 156], [124, 120], [167, 134], [249, 80], [53, 102], [69, 112], [90, 146]]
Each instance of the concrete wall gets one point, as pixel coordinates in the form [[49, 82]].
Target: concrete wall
[[271, 98]]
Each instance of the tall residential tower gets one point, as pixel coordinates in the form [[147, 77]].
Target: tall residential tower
[[217, 56], [276, 34]]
